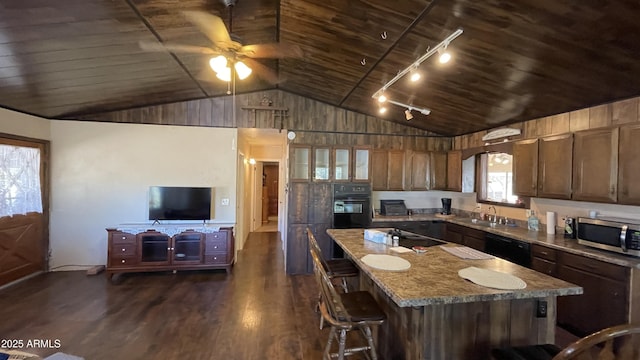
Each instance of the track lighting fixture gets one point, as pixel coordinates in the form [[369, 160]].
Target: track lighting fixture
[[445, 56], [382, 110], [408, 115], [415, 76]]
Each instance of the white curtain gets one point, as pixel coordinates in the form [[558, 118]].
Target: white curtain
[[19, 180]]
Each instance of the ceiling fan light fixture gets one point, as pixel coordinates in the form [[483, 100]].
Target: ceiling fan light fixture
[[242, 70], [218, 63], [224, 74]]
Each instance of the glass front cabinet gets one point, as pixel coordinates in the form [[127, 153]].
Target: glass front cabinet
[[326, 163]]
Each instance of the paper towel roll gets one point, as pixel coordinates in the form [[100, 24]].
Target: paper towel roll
[[551, 222]]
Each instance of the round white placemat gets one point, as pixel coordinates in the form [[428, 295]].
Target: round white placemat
[[386, 262], [491, 278]]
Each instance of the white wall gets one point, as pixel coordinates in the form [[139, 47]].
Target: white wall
[[16, 123], [101, 173]]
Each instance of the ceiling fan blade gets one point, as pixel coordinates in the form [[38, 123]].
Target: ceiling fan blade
[[213, 27], [263, 71], [176, 48], [271, 51]]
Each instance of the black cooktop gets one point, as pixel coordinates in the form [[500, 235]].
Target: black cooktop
[[409, 239]]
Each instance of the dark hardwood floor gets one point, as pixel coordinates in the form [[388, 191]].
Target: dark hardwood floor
[[257, 312]]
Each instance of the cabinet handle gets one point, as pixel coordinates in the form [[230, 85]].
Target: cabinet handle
[[123, 249], [215, 258], [123, 261], [533, 186], [215, 247], [544, 253], [613, 189], [124, 238]]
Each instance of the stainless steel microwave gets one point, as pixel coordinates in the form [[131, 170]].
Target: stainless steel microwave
[[613, 234]]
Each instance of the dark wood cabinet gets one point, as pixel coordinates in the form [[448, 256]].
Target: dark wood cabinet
[[419, 170], [604, 301], [629, 165], [156, 251], [310, 205], [454, 170], [300, 163], [387, 170], [595, 165], [555, 159], [525, 167], [543, 259], [465, 236], [438, 171]]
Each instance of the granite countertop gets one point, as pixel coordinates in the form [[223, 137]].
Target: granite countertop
[[557, 241], [433, 276]]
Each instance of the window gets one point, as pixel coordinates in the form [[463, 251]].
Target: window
[[19, 180], [496, 179]]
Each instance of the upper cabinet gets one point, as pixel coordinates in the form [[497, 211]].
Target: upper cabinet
[[300, 163], [525, 168], [438, 171], [419, 177], [329, 164], [341, 158], [361, 164], [387, 170], [454, 170], [629, 165], [555, 154], [321, 164], [595, 165]]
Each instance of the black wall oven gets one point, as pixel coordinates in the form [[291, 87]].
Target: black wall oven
[[351, 209], [351, 206]]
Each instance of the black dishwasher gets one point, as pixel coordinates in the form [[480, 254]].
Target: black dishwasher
[[516, 251]]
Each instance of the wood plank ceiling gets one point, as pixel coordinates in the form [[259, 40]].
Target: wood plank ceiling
[[516, 60]]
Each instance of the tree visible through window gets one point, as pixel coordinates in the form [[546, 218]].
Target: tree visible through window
[[20, 188]]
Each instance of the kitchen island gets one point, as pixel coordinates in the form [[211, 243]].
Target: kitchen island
[[432, 313]]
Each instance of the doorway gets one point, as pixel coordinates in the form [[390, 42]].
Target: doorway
[[268, 194]]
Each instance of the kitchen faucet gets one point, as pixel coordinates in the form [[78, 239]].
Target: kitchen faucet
[[493, 219]]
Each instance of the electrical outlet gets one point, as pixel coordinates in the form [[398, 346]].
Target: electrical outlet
[[541, 310], [225, 201], [527, 213]]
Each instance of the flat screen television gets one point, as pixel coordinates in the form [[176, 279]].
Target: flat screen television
[[179, 203]]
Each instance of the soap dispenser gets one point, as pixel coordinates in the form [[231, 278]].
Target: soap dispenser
[[532, 222]]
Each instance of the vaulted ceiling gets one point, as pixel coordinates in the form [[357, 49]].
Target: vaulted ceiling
[[516, 60]]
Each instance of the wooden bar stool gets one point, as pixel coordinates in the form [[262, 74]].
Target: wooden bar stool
[[335, 268], [346, 312]]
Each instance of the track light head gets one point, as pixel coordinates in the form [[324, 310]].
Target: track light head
[[382, 110], [408, 115], [382, 98], [425, 111]]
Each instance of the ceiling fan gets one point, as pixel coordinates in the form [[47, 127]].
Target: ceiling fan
[[226, 52]]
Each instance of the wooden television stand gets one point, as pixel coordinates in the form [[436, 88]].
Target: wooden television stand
[[169, 247]]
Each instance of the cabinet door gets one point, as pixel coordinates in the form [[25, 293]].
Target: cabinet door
[[525, 168], [629, 165], [320, 204], [361, 164], [379, 171], [155, 248], [395, 170], [438, 171], [454, 233], [595, 165], [555, 154], [187, 248], [602, 304], [321, 164], [419, 171], [341, 159], [300, 163], [454, 170]]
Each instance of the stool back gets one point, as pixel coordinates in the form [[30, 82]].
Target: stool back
[[313, 246], [330, 296]]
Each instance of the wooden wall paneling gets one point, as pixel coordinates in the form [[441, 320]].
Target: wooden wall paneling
[[522, 322], [531, 129], [579, 120], [600, 116], [217, 112], [205, 114], [625, 111], [560, 123], [193, 112], [341, 120]]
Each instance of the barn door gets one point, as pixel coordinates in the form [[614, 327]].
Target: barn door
[[24, 193]]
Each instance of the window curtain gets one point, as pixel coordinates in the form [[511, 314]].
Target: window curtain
[[20, 191]]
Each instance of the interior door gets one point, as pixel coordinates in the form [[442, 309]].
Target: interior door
[[271, 183], [24, 238]]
